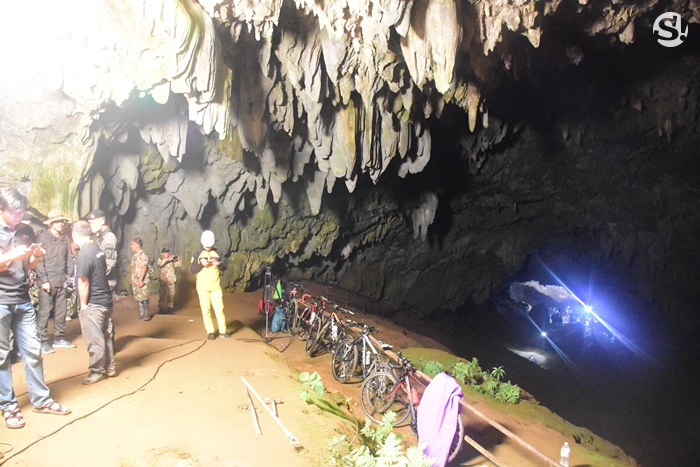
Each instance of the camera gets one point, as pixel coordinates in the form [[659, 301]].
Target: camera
[[69, 285]]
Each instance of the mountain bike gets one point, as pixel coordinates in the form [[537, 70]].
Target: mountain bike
[[392, 391], [351, 353], [303, 318], [330, 330]]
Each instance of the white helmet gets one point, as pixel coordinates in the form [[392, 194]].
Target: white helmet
[[207, 239]]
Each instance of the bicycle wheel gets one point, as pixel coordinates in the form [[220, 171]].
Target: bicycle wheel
[[344, 360], [313, 345], [302, 324], [315, 327], [382, 392], [457, 441]]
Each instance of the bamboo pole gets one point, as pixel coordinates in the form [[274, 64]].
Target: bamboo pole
[[256, 422], [483, 451], [290, 437]]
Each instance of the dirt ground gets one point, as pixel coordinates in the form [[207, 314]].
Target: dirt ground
[[178, 399]]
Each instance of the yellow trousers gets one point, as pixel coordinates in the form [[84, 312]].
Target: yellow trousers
[[209, 299]]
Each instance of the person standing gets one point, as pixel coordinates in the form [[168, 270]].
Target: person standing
[[139, 277], [207, 265], [51, 274], [17, 315], [107, 242], [95, 303], [167, 278]]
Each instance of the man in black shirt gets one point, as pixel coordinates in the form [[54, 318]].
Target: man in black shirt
[[95, 299], [51, 273], [17, 315]]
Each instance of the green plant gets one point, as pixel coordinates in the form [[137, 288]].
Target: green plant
[[310, 385], [460, 372], [498, 373], [508, 393], [313, 392], [378, 446], [476, 369], [491, 386], [431, 366]]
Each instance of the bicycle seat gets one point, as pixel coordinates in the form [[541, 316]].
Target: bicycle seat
[[385, 346]]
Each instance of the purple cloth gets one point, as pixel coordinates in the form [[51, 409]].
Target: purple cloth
[[438, 413]]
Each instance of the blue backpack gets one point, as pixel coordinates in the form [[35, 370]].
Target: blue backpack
[[279, 320]]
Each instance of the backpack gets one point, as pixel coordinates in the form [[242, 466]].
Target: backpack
[[279, 320]]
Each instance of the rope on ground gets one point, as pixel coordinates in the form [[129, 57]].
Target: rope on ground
[[140, 388]]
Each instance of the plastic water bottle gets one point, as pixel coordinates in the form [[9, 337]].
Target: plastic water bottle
[[564, 455]]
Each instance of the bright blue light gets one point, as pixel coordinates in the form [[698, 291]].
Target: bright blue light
[[544, 333]]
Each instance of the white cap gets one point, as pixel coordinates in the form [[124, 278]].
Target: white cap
[[207, 239]]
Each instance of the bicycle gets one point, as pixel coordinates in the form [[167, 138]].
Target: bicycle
[[385, 391], [358, 351], [330, 330], [305, 316]]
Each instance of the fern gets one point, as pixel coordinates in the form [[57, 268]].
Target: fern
[[461, 372], [379, 446], [491, 387], [508, 393], [431, 366]]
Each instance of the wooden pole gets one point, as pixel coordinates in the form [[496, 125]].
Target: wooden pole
[[290, 437], [256, 422], [483, 451]]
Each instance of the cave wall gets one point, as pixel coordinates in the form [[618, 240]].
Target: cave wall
[[418, 152]]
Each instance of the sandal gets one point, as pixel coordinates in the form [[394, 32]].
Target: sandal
[[13, 418], [52, 407]]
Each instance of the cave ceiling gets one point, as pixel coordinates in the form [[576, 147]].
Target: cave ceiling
[[252, 118]]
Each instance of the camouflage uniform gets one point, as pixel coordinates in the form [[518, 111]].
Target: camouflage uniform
[[167, 279], [138, 262], [33, 290]]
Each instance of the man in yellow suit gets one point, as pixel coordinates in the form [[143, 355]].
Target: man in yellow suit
[[207, 265]]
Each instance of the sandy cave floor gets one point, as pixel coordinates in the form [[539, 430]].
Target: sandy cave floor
[[178, 399]]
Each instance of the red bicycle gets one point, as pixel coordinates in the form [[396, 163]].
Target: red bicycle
[[392, 391]]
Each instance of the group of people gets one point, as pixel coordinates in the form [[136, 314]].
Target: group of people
[[86, 260]]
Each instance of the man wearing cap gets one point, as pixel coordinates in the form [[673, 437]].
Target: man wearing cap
[[167, 278], [207, 265], [107, 242], [51, 274]]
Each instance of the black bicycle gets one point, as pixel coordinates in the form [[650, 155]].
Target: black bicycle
[[358, 353], [330, 330]]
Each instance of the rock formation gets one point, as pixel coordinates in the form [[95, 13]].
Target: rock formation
[[417, 151]]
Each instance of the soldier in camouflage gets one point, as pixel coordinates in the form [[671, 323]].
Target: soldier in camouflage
[[139, 277], [167, 278]]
